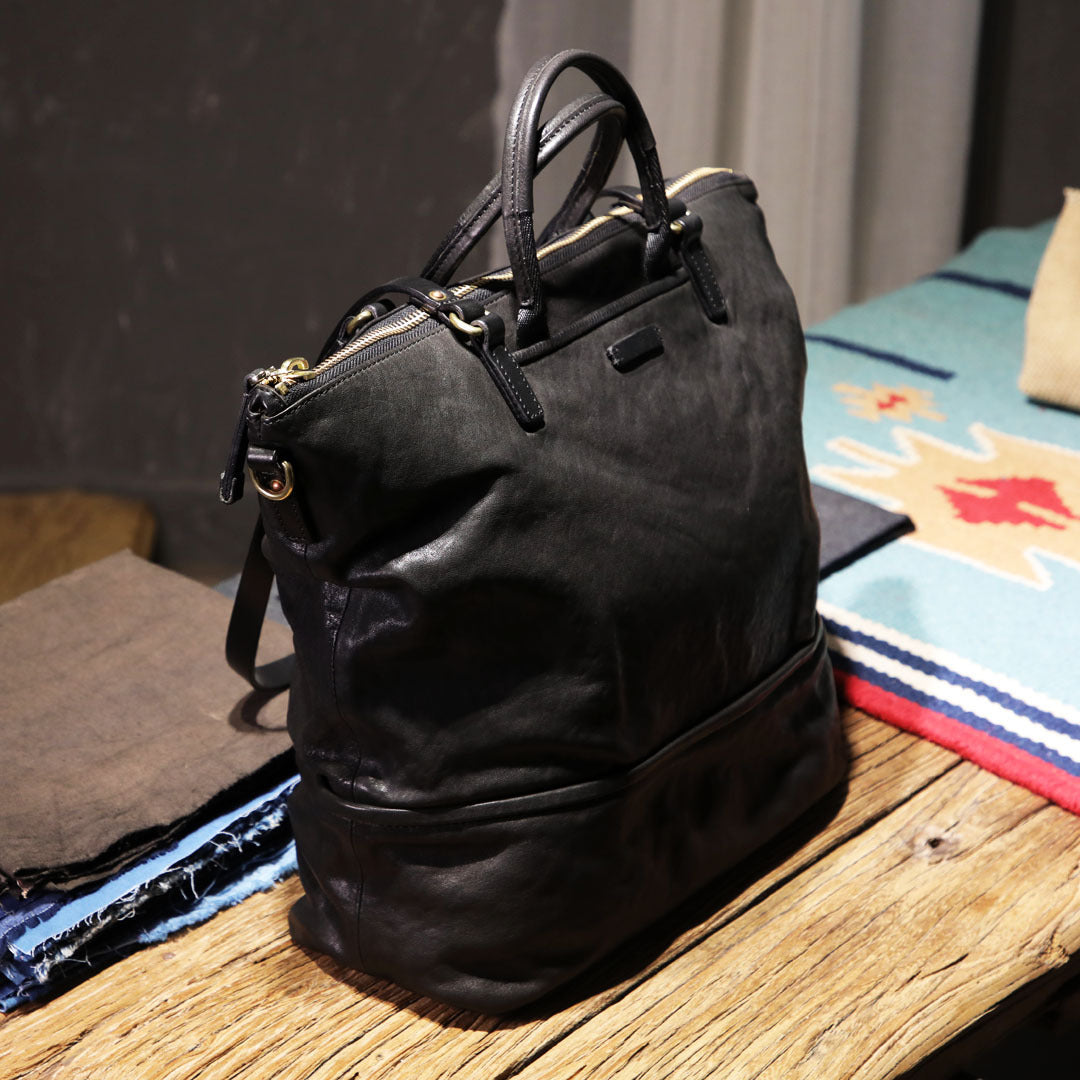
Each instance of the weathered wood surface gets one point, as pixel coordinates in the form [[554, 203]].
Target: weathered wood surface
[[869, 960], [46, 534], [934, 891]]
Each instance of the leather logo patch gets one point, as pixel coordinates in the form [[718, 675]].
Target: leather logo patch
[[633, 350]]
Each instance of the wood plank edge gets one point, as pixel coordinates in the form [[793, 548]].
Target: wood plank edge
[[982, 1035]]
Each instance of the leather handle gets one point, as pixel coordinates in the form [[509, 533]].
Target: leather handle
[[599, 109], [609, 116], [519, 168]]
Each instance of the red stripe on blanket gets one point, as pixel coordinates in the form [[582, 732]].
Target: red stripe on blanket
[[1009, 762]]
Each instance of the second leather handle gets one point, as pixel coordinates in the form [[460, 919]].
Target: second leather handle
[[519, 167], [608, 115]]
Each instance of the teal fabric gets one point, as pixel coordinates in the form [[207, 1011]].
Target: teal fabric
[[981, 601]]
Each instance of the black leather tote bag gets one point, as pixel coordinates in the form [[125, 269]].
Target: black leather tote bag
[[546, 544]]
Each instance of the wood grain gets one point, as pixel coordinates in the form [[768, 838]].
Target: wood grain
[[46, 534], [235, 999], [869, 960]]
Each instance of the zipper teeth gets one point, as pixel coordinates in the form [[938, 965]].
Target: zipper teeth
[[416, 317], [378, 333], [368, 337], [673, 188]]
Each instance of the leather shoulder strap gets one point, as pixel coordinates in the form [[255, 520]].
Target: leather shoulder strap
[[245, 626]]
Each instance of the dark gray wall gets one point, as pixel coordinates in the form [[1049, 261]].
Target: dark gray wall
[[1026, 140], [193, 190]]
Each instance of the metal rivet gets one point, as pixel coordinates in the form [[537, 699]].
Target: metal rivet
[[437, 294], [277, 485]]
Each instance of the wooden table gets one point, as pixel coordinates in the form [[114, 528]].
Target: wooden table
[[935, 905]]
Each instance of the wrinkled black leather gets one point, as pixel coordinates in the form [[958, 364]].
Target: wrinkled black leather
[[551, 682]]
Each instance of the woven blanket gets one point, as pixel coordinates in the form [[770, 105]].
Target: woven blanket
[[966, 631]]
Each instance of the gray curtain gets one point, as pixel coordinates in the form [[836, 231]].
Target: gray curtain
[[852, 116]]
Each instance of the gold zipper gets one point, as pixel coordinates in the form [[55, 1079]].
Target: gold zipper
[[573, 237], [296, 370]]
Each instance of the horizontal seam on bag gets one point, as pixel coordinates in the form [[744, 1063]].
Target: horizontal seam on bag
[[556, 800], [653, 290]]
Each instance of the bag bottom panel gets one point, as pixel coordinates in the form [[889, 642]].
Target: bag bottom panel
[[492, 914]]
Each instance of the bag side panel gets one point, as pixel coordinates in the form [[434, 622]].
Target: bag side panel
[[529, 610]]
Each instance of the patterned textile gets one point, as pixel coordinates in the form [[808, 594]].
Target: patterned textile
[[964, 631]]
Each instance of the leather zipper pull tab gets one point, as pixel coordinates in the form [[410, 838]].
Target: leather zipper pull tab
[[231, 486]]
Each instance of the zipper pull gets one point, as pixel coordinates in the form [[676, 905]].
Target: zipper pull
[[281, 378], [231, 485], [293, 370]]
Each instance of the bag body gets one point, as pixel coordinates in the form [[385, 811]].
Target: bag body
[[551, 579]]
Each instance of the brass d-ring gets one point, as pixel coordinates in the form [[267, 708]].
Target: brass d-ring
[[458, 323], [361, 316], [286, 486]]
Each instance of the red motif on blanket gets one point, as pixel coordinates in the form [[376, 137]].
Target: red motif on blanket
[[1002, 506], [1007, 503]]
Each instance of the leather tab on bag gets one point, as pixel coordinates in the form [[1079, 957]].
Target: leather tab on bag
[[702, 275], [633, 350], [507, 374], [231, 485], [269, 470], [686, 228]]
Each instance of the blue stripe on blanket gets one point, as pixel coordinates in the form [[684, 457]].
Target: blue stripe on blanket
[[1021, 292], [881, 354], [1044, 719], [955, 712]]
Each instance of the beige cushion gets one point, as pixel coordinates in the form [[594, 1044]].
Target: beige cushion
[[1051, 370]]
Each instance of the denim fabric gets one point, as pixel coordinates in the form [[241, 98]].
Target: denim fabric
[[852, 528], [253, 879], [47, 942]]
